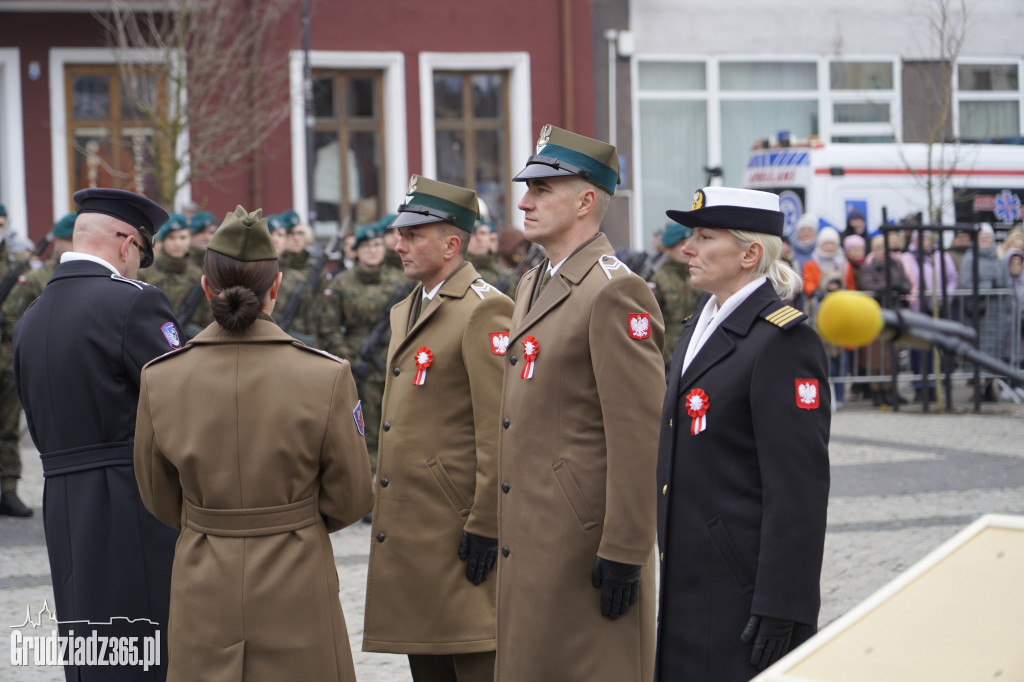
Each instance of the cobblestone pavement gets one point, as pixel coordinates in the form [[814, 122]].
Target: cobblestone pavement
[[902, 484]]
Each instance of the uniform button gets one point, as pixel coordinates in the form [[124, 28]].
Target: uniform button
[[505, 422], [664, 489], [380, 537], [387, 426], [504, 551], [513, 360], [662, 556], [669, 421], [505, 487], [396, 371], [384, 482]]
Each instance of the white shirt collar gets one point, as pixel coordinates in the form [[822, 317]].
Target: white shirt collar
[[554, 268], [712, 316], [429, 295], [69, 256]]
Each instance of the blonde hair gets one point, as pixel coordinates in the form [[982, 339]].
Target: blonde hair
[[785, 280]]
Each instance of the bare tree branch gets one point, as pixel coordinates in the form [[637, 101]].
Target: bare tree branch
[[221, 76]]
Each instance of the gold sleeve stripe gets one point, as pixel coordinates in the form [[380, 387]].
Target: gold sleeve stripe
[[784, 316]]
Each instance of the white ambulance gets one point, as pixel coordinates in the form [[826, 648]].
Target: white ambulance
[[973, 182]]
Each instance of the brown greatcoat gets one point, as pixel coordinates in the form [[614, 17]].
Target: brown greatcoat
[[436, 472], [249, 443], [577, 458]]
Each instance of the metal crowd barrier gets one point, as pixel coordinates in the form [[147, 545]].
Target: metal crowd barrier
[[882, 362]]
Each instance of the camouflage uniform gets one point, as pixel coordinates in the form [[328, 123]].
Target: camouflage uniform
[[676, 298], [392, 265], [353, 303], [304, 326], [491, 271], [176, 277], [10, 406], [196, 256]]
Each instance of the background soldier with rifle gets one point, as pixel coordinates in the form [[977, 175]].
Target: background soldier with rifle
[[303, 283], [353, 303], [11, 269], [178, 277]]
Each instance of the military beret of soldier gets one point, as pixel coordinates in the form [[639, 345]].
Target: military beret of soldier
[[365, 234], [290, 219], [274, 222], [200, 221], [136, 210], [384, 223], [730, 208], [675, 233], [175, 222], [244, 236], [431, 201], [562, 153], [65, 227]]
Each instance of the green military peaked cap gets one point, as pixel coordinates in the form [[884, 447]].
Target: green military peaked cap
[[430, 201], [65, 227], [560, 152], [244, 236]]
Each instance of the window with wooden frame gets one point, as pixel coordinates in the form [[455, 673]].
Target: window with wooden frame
[[471, 120], [109, 132], [348, 141]]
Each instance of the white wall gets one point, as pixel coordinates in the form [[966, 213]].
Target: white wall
[[822, 27]]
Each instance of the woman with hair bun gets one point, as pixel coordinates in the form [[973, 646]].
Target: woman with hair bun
[[254, 474]]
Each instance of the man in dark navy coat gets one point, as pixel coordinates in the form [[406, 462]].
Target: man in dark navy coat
[[743, 471], [78, 353]]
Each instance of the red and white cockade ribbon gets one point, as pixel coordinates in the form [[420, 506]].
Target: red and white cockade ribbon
[[697, 407], [530, 350], [423, 359]]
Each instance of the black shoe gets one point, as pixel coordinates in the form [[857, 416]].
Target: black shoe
[[368, 518], [11, 505]]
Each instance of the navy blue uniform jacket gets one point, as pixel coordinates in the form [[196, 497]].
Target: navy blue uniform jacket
[[78, 354], [741, 504]]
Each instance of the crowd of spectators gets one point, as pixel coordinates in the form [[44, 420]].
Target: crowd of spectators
[[913, 273]]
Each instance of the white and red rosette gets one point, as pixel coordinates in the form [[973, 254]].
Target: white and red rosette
[[530, 350], [697, 407], [423, 359]]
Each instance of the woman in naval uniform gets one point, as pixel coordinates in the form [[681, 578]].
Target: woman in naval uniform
[[743, 473]]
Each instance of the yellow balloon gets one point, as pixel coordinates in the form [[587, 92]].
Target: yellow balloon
[[849, 318]]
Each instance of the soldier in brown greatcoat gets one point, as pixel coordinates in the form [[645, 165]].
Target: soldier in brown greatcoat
[[435, 519], [578, 445], [255, 474]]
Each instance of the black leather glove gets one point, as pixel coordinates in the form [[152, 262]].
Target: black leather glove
[[480, 555], [361, 369], [619, 583], [771, 636]]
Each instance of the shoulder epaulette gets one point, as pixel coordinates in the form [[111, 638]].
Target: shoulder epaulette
[[610, 264], [480, 288], [168, 354], [119, 278], [299, 344], [784, 316]]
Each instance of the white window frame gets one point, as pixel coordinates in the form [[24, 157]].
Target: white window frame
[[520, 121], [12, 141], [891, 97], [988, 96], [396, 161], [60, 58], [712, 113]]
